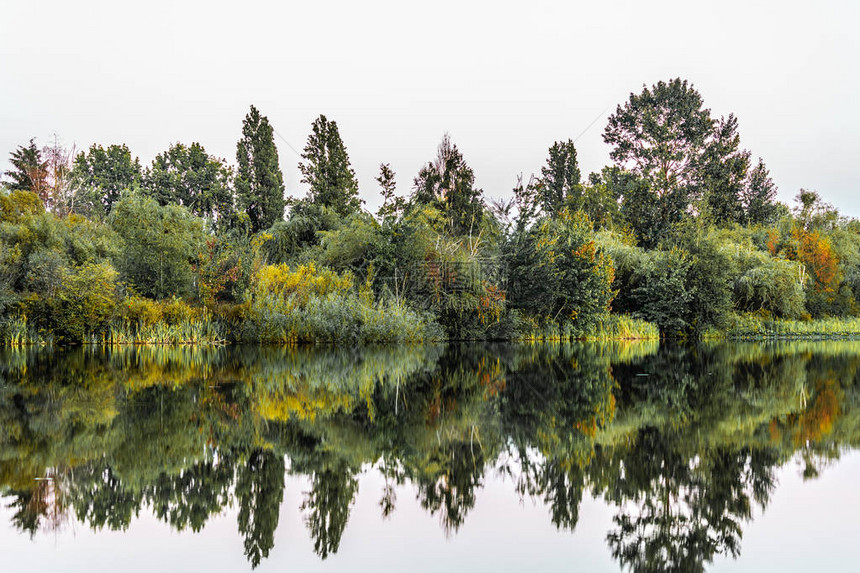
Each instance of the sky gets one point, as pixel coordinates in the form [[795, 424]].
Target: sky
[[505, 79]]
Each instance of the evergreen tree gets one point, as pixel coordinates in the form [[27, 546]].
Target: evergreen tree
[[392, 205], [327, 170], [190, 177], [259, 181], [724, 172], [449, 184], [759, 196], [30, 171], [100, 177], [560, 179]]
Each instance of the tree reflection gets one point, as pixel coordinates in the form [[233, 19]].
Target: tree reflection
[[683, 441], [327, 505], [259, 491]]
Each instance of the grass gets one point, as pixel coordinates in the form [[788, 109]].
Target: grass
[[751, 327], [624, 327], [193, 331], [614, 327], [337, 317], [17, 332]]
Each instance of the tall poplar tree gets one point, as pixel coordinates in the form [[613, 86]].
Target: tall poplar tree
[[560, 179], [259, 181], [327, 170]]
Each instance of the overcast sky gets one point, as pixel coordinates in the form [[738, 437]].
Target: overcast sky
[[505, 79]]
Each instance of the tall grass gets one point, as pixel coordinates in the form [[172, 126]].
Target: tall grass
[[17, 332], [752, 327], [614, 327], [202, 330], [337, 317]]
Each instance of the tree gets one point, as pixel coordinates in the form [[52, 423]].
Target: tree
[[560, 179], [58, 161], [812, 212], [30, 172], [259, 181], [100, 177], [190, 177], [659, 136], [160, 243], [260, 491], [448, 184], [724, 173], [392, 205], [327, 170], [759, 196]]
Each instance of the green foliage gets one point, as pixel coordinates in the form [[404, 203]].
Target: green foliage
[[448, 184], [190, 177], [759, 197], [101, 176], [85, 303], [659, 136], [30, 171], [17, 204], [559, 272], [353, 246], [259, 181], [560, 180], [287, 240], [813, 213], [159, 246], [769, 285], [392, 206], [142, 321], [654, 218], [39, 247], [307, 305], [327, 171], [723, 174], [659, 293], [755, 327]]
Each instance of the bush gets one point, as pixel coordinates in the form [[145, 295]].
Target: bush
[[85, 304], [558, 271], [307, 305]]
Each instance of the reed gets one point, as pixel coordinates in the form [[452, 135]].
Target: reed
[[753, 327], [614, 327], [18, 332]]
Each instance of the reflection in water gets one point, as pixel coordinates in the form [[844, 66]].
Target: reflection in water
[[683, 441]]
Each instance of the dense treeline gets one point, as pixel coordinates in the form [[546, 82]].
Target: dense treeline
[[682, 234]]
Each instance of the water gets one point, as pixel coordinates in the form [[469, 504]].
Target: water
[[642, 457]]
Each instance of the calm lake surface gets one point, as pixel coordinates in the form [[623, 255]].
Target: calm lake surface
[[575, 457]]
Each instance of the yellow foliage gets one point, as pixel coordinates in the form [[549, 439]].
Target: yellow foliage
[[299, 285]]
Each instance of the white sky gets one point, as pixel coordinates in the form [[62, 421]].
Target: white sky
[[506, 79]]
